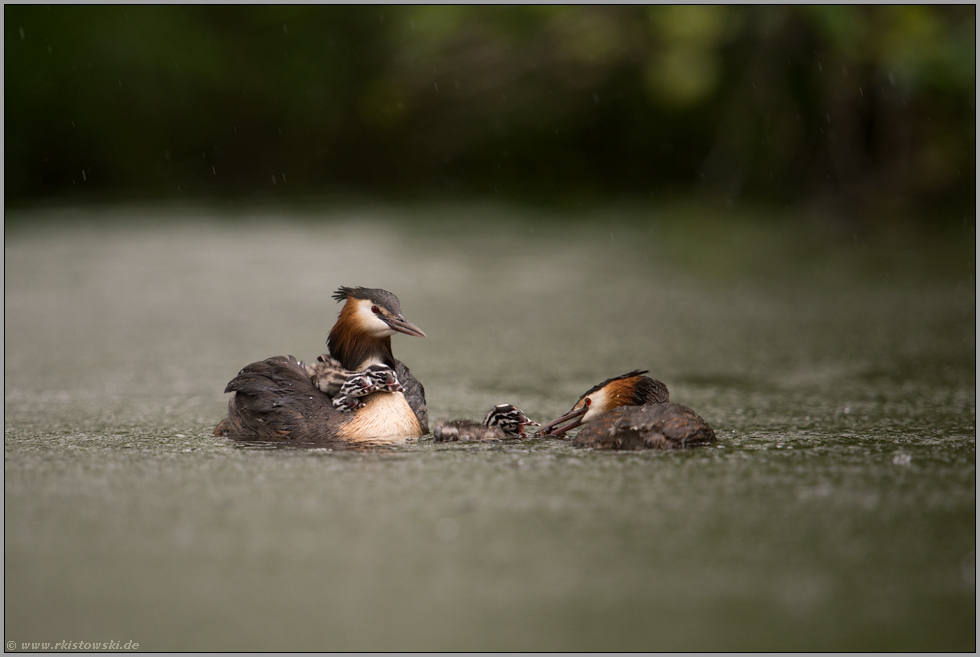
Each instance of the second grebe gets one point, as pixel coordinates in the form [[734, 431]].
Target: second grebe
[[631, 411]]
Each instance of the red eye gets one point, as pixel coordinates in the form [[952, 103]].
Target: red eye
[[375, 310]]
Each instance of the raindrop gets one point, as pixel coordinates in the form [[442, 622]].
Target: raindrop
[[274, 182], [22, 35], [284, 177], [213, 171], [595, 97], [436, 86], [861, 90], [285, 30], [901, 459], [83, 175], [891, 78]]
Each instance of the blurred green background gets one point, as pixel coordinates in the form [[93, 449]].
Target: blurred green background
[[861, 111]]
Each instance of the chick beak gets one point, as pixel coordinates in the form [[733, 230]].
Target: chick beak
[[402, 325], [573, 417], [526, 423]]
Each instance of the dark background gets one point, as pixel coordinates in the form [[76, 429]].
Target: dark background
[[864, 112]]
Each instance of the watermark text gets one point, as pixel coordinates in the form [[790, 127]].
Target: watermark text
[[12, 646]]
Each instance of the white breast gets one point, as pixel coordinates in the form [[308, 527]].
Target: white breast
[[386, 417]]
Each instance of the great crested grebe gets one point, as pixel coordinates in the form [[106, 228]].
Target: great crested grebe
[[502, 422], [358, 392], [631, 411]]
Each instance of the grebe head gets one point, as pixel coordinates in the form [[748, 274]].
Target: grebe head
[[510, 419], [630, 389], [375, 312], [362, 334]]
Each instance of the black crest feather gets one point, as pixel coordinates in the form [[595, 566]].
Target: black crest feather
[[375, 295]]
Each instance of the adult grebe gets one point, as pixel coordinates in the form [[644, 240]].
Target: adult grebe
[[631, 411], [359, 392]]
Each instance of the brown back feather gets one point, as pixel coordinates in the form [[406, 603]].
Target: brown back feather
[[275, 399], [649, 391]]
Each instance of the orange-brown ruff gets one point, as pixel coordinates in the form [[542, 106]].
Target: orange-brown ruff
[[280, 398], [352, 345]]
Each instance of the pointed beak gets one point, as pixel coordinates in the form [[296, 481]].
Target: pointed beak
[[402, 325], [573, 417]]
